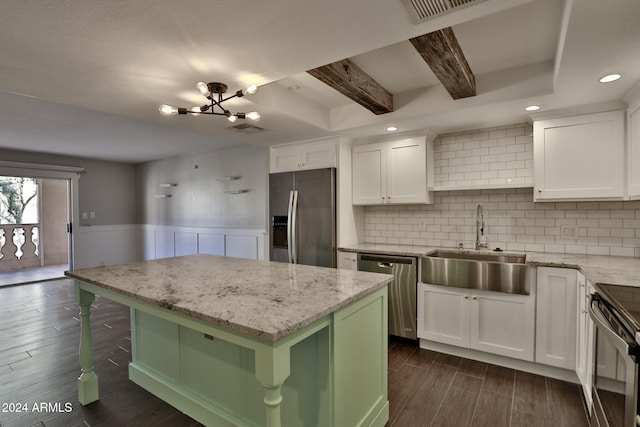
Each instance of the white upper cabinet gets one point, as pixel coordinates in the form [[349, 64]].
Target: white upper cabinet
[[304, 155], [395, 172], [579, 157], [633, 144]]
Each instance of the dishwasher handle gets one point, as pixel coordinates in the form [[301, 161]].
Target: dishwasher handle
[[385, 264], [388, 260]]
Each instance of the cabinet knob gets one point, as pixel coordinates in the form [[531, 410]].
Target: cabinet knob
[[539, 190], [474, 297], [466, 297]]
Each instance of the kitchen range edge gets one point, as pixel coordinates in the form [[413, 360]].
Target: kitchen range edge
[[235, 342]]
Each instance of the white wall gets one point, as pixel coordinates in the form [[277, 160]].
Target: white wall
[[199, 199]]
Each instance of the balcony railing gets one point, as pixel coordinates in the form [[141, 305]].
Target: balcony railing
[[19, 246]]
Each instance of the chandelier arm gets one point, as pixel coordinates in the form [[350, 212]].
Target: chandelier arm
[[204, 113], [235, 95], [217, 103]]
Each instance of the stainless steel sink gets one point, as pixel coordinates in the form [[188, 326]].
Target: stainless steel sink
[[486, 271], [480, 256]]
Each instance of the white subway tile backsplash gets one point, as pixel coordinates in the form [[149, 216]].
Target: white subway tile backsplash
[[513, 222]]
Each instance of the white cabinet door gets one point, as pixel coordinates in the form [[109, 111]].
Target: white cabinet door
[[303, 156], [503, 324], [285, 158], [347, 260], [443, 315], [579, 157], [585, 345], [395, 172], [406, 171], [556, 317], [318, 155], [369, 174], [492, 322]]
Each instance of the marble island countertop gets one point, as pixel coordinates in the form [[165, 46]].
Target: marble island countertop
[[268, 300], [611, 270]]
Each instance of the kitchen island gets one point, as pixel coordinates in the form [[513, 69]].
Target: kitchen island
[[235, 342]]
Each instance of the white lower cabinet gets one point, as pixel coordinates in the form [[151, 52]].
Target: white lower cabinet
[[492, 322], [556, 317], [347, 260]]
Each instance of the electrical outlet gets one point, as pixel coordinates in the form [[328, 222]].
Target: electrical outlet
[[569, 231]]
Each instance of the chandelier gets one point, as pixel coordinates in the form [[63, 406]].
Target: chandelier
[[214, 92]]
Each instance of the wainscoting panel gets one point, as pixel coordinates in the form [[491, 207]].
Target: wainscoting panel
[[172, 241], [186, 243], [116, 244], [210, 243]]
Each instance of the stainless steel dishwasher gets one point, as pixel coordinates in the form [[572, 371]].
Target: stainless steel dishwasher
[[402, 290]]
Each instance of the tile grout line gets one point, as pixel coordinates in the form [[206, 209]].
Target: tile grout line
[[513, 398]]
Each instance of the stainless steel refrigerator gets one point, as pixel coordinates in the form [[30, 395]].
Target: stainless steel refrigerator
[[302, 210]]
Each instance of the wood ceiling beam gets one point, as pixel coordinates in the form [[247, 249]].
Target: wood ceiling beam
[[441, 51], [350, 80]]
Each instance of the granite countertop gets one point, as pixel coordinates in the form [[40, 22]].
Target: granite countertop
[[609, 270], [268, 300]]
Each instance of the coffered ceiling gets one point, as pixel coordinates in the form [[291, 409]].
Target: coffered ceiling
[[87, 78]]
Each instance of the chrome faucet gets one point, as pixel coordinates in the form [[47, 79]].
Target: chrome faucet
[[480, 227]]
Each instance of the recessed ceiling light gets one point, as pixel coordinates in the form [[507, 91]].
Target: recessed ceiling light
[[532, 108], [392, 128], [610, 78]]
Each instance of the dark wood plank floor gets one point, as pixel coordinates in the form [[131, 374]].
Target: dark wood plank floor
[[434, 389], [39, 335]]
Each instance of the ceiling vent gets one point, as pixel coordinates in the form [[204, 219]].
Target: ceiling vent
[[423, 10], [245, 128]]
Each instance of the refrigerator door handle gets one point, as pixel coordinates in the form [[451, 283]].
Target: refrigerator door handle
[[289, 227], [294, 227]]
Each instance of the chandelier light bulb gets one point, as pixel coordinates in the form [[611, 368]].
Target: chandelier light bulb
[[167, 109], [253, 115], [251, 89], [232, 118], [203, 88]]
